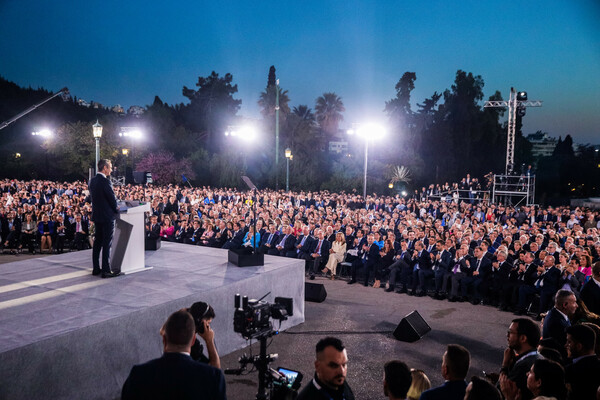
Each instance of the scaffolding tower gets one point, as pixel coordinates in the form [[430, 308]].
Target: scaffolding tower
[[514, 190]]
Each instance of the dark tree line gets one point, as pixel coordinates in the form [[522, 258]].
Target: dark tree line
[[448, 135]]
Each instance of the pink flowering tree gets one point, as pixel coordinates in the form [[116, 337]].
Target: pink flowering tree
[[165, 168]]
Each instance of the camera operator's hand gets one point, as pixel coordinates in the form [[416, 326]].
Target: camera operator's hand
[[208, 335]]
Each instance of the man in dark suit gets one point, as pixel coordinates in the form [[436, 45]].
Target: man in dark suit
[[268, 240], [368, 257], [175, 375], [237, 238], [401, 268], [441, 265], [421, 268], [582, 375], [104, 213], [558, 318], [286, 242], [302, 245], [78, 231], [590, 294], [546, 285], [319, 253], [455, 365]]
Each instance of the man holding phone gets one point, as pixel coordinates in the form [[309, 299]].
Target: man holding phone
[[203, 315]]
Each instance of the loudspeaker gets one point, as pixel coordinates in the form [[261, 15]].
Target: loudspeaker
[[244, 257], [314, 292], [411, 328], [151, 244]]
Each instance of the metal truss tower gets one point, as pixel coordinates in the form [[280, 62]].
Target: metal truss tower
[[517, 102]]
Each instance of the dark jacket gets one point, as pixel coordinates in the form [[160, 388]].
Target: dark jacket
[[174, 376], [450, 390], [104, 202]]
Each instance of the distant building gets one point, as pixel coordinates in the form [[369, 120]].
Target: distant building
[[136, 110], [96, 105], [83, 103], [338, 147], [117, 109], [542, 144]]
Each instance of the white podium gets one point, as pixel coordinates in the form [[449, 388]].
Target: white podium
[[127, 251]]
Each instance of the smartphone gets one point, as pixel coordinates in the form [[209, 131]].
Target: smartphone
[[291, 375]]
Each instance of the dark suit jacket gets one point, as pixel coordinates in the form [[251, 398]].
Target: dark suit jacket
[[236, 241], [104, 202], [448, 391], [424, 260], [443, 264], [265, 237], [554, 326], [305, 249], [288, 244], [174, 376], [590, 294], [584, 377], [551, 280]]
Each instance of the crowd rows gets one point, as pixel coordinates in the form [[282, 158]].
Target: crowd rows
[[542, 261]]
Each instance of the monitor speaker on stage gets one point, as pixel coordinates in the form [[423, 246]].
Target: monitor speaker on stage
[[314, 292], [245, 257], [411, 328]]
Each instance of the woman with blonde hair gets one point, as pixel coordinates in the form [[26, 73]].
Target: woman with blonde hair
[[420, 383], [336, 254]]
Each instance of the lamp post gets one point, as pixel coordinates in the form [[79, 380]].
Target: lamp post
[[289, 156], [97, 131], [277, 134], [368, 132]]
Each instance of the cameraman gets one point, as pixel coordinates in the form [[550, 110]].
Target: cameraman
[[203, 315]]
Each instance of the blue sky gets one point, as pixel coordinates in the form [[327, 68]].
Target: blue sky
[[128, 52]]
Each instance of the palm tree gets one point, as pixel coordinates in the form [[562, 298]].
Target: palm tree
[[304, 113], [329, 109]]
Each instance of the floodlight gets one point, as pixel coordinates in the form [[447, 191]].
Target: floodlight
[[522, 96], [43, 132], [371, 131]]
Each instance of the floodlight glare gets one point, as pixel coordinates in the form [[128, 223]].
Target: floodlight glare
[[404, 193], [43, 132], [246, 133], [371, 131]]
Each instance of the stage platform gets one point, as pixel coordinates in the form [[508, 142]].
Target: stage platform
[[65, 334]]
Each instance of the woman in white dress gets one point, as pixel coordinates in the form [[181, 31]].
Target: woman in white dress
[[336, 254]]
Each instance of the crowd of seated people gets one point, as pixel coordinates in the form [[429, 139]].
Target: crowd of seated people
[[514, 258], [540, 262]]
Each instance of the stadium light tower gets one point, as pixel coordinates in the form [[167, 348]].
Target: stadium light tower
[[134, 133], [517, 103], [367, 132]]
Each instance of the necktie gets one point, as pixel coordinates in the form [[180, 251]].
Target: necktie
[[455, 269], [270, 237], [478, 264], [318, 249]]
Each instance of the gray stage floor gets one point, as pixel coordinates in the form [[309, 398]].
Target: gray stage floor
[[49, 303], [352, 311]]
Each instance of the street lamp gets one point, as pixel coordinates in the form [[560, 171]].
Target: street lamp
[[289, 156], [46, 134], [97, 131], [367, 132]]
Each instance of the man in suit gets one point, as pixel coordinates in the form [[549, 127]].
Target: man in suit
[[401, 268], [268, 240], [441, 265], [421, 268], [368, 257], [104, 213], [590, 294], [582, 375], [501, 269], [237, 238], [79, 232], [302, 245], [286, 242], [455, 365], [175, 375], [546, 285], [319, 253], [558, 318]]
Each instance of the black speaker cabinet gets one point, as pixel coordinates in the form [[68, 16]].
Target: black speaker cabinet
[[314, 292], [152, 244], [412, 328], [244, 257]]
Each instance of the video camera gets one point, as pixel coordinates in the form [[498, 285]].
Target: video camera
[[252, 318]]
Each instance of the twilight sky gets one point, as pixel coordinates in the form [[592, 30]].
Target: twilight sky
[[127, 52]]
